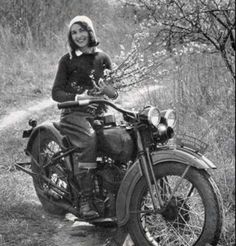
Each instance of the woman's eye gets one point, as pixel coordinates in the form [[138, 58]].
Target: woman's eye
[[80, 30]]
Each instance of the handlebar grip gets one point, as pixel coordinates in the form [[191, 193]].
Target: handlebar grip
[[71, 104], [68, 104]]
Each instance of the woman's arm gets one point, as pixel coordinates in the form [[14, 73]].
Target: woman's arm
[[58, 90]]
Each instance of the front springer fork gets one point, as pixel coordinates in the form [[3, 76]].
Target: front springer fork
[[148, 172], [146, 165]]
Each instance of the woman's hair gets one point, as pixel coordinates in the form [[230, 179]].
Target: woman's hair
[[86, 27]]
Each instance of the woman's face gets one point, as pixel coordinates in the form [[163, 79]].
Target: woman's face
[[80, 36]]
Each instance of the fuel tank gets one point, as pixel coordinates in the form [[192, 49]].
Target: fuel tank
[[116, 143]]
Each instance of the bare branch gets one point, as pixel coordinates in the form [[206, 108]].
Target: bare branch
[[218, 19], [206, 22]]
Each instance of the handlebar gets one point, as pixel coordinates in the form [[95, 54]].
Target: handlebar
[[73, 104], [86, 102]]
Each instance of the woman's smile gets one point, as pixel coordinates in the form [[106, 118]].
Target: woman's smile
[[80, 36], [81, 41]]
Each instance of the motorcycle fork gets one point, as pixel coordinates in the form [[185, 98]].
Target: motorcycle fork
[[146, 164]]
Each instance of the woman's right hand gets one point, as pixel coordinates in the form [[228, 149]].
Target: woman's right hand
[[82, 96]]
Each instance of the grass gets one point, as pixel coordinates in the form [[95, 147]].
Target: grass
[[26, 75], [23, 222]]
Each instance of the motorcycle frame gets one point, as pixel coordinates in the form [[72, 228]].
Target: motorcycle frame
[[142, 154], [143, 166], [66, 152]]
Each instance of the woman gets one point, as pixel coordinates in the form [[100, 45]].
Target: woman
[[79, 76]]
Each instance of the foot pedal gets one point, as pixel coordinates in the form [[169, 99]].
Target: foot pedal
[[104, 222]]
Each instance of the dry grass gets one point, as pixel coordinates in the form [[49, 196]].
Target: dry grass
[[26, 74], [22, 222]]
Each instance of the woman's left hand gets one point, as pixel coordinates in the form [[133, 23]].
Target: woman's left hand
[[103, 89]]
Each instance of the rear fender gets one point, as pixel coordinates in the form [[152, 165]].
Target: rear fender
[[134, 175], [48, 127]]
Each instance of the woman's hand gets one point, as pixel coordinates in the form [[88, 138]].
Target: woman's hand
[[103, 89], [83, 95]]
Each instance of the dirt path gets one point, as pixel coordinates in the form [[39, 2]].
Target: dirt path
[[15, 117], [80, 234], [126, 99]]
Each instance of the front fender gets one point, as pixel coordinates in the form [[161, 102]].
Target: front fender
[[46, 126], [134, 174]]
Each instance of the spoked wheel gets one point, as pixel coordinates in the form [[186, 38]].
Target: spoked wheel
[[193, 215], [44, 149]]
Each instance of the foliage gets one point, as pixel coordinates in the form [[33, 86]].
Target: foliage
[[43, 23], [179, 22], [137, 68]]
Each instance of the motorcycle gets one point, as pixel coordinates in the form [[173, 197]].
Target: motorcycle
[[152, 183]]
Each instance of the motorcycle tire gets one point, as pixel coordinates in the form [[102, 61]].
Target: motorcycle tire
[[164, 230], [40, 143]]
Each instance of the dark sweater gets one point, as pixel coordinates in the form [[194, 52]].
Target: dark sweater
[[73, 75]]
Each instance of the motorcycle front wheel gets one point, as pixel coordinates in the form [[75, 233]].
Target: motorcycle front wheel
[[44, 148], [193, 216]]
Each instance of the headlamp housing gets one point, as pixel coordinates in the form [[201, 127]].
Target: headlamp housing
[[171, 118], [154, 116]]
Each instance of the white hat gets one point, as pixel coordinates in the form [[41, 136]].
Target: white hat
[[82, 18]]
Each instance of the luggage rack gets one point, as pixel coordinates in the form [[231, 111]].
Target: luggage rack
[[190, 142]]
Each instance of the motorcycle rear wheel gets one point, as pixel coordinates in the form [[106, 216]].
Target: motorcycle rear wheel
[[45, 144], [194, 217]]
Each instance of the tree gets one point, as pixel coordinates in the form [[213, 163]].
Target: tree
[[207, 22]]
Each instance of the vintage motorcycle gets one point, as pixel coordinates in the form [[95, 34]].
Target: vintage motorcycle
[[149, 181]]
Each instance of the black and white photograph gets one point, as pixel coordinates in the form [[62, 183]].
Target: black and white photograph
[[117, 122]]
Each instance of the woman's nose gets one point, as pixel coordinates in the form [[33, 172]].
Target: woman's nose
[[80, 34]]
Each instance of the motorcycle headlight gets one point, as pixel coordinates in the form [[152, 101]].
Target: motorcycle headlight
[[154, 116], [171, 118]]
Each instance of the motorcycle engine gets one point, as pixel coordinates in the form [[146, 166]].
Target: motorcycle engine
[[111, 177]]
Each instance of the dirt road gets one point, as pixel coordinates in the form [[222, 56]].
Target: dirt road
[[81, 234], [71, 232]]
